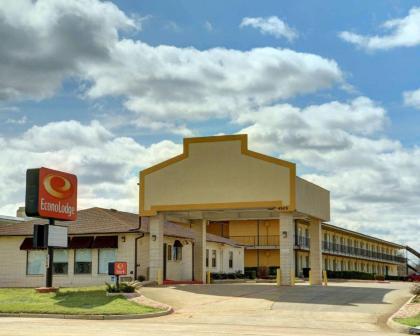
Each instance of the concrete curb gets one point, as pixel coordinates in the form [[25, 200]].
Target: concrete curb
[[90, 317], [398, 326]]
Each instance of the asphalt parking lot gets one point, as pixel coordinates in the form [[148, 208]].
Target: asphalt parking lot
[[348, 308]]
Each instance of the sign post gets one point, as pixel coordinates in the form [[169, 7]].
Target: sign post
[[50, 194], [116, 269]]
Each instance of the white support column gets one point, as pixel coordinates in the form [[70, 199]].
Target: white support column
[[200, 229], [315, 252], [287, 253], [156, 247]]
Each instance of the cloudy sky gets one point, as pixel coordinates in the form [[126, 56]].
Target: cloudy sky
[[104, 89]]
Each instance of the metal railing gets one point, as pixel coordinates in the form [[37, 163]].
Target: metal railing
[[271, 240], [302, 242], [359, 252]]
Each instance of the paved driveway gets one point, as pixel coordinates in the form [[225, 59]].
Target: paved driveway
[[245, 309]]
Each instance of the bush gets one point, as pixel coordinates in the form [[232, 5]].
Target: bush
[[141, 278], [379, 277], [111, 288], [349, 275], [224, 276], [123, 288], [250, 272], [415, 289], [396, 277]]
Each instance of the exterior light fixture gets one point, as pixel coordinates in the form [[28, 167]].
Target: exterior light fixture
[[284, 234], [154, 237], [123, 239]]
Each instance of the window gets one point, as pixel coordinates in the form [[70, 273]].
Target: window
[[61, 261], [207, 258], [169, 252], [105, 257], [83, 261], [177, 251], [36, 262], [307, 261], [213, 258], [230, 259]]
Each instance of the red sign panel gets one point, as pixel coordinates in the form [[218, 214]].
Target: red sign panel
[[120, 268], [57, 195]]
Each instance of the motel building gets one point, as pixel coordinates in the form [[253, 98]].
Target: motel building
[[217, 207], [218, 185], [100, 236]]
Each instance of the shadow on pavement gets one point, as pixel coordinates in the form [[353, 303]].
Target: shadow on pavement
[[337, 295]]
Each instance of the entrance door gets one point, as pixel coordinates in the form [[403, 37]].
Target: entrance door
[[164, 260], [386, 270]]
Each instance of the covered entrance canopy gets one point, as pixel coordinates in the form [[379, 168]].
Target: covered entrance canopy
[[219, 178]]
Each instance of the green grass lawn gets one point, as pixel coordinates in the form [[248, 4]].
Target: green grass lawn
[[410, 321], [88, 300]]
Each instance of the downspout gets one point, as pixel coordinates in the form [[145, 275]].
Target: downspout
[[141, 235], [135, 254]]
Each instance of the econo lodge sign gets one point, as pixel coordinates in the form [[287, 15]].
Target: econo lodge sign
[[51, 194]]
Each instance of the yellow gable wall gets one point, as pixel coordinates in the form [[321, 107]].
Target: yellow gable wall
[[217, 172]]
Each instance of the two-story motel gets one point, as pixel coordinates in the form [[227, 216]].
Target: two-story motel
[[218, 185]]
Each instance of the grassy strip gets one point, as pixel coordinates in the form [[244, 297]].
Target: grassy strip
[[413, 321], [84, 301]]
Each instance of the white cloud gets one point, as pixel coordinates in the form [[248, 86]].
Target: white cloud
[[107, 165], [403, 32], [42, 44], [42, 47], [270, 26], [208, 26], [211, 83], [412, 98], [342, 146]]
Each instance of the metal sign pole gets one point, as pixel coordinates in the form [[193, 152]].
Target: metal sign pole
[[49, 271]]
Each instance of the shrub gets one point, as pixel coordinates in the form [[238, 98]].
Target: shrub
[[396, 277], [379, 277], [111, 288], [127, 288], [123, 288], [415, 289], [349, 275]]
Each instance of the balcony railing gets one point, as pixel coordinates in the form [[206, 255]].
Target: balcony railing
[[272, 240], [340, 249], [302, 242]]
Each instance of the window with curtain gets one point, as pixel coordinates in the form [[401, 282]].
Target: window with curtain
[[61, 261], [169, 252], [230, 259], [36, 262], [177, 251], [82, 261], [105, 257], [213, 258]]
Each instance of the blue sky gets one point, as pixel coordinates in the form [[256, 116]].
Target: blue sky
[[324, 87]]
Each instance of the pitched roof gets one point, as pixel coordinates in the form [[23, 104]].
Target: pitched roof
[[92, 220], [102, 221]]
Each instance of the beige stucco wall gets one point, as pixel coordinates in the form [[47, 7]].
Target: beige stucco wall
[[222, 258], [13, 265], [217, 172], [180, 269], [13, 262], [312, 200]]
